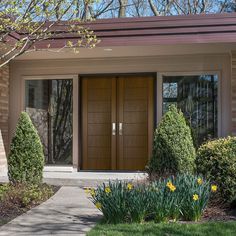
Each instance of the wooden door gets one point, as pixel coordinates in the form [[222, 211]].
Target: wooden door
[[98, 114], [135, 117], [117, 122]]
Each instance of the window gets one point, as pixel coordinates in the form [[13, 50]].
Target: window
[[196, 96]]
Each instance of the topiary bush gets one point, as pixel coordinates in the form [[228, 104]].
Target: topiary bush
[[26, 158], [216, 160], [173, 148]]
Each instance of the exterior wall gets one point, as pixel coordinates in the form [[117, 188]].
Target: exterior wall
[[233, 90], [182, 64], [4, 116]]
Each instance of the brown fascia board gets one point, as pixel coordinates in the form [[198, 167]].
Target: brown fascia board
[[203, 28]]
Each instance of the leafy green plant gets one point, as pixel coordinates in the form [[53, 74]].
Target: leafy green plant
[[26, 158], [3, 190], [184, 196], [216, 160], [23, 195], [173, 149]]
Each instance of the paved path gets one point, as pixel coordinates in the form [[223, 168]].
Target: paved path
[[68, 212]]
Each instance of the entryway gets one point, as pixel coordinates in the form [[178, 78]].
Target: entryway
[[117, 121]]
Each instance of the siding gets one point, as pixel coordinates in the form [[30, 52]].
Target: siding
[[233, 91], [4, 116]]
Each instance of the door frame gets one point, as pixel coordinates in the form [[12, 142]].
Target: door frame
[[75, 132], [151, 120]]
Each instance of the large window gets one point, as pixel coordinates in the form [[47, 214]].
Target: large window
[[196, 96], [49, 104]]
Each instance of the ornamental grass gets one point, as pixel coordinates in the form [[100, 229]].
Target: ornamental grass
[[183, 197]]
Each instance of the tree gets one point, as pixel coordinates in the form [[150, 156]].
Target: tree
[[26, 158], [24, 23]]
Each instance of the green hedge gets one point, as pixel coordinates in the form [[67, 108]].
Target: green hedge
[[26, 158], [216, 160], [173, 148]]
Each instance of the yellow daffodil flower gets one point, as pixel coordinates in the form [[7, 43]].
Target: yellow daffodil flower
[[129, 186], [199, 181], [213, 188], [98, 205], [195, 197], [107, 190]]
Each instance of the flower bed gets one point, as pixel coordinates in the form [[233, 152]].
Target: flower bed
[[16, 199], [176, 198]]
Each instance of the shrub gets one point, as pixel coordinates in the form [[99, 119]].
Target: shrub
[[182, 197], [26, 158], [173, 149], [217, 161]]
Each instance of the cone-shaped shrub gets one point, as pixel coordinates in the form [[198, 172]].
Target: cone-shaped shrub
[[173, 149], [26, 158]]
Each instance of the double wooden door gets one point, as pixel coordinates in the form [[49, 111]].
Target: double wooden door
[[117, 122]]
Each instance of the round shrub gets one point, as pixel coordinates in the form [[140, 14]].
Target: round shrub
[[173, 148], [216, 160], [26, 158]]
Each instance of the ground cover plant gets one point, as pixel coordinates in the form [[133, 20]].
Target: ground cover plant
[[16, 199], [183, 197]]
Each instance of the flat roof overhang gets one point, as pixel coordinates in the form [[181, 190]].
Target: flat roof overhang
[[159, 30]]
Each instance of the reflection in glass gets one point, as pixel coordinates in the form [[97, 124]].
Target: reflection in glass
[[49, 104], [196, 96]]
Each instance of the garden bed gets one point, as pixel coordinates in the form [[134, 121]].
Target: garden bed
[[18, 199]]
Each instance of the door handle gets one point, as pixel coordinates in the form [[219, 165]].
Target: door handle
[[113, 128], [120, 128]]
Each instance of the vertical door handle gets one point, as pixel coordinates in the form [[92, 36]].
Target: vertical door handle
[[113, 128], [120, 128]]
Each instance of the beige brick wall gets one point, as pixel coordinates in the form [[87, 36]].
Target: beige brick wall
[[4, 116]]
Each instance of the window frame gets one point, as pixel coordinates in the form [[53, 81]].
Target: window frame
[[159, 89]]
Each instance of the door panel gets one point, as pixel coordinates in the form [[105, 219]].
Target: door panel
[[127, 103], [135, 102], [96, 123]]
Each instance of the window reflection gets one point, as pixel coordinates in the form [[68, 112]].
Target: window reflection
[[196, 96]]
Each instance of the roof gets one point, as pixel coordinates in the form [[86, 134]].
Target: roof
[[211, 28]]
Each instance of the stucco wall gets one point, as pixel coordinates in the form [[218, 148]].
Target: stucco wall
[[4, 116]]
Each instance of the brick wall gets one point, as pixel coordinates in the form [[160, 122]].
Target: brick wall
[[4, 114]]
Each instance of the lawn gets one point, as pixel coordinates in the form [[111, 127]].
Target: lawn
[[166, 229]]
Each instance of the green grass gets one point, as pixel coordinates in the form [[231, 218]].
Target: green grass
[[166, 229]]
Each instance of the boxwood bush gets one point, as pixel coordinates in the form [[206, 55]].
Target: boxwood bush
[[182, 197], [173, 148], [216, 160], [26, 158]]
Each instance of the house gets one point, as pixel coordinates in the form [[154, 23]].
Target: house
[[97, 110]]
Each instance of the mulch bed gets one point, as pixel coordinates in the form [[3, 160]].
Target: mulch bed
[[214, 213], [9, 211]]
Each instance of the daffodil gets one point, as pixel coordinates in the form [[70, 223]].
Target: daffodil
[[213, 188], [107, 190], [199, 181], [129, 186], [87, 190], [195, 197], [170, 186], [98, 205], [92, 192]]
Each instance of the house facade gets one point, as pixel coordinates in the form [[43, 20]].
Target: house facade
[[97, 110]]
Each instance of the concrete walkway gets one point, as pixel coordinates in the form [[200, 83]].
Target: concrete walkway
[[68, 212]]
